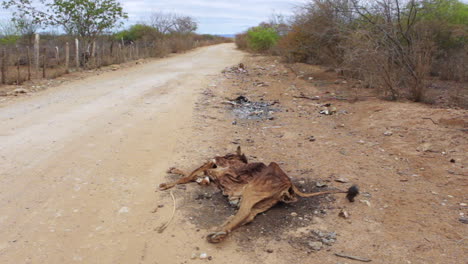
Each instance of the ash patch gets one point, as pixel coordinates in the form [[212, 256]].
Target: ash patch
[[208, 209], [243, 108], [314, 240]]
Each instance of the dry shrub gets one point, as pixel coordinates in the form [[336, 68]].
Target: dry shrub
[[241, 41], [393, 45]]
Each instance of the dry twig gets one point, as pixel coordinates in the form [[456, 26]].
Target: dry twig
[[164, 226], [342, 255]]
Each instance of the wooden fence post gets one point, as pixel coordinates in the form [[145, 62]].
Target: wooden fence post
[[67, 57], [120, 53], [18, 61], [36, 51], [44, 63], [57, 58], [130, 55], [77, 53], [4, 65], [29, 63]]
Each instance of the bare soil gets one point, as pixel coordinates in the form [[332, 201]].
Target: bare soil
[[80, 163], [409, 160]]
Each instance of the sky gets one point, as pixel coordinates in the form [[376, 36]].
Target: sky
[[213, 16]]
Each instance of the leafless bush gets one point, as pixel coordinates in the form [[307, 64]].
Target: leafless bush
[[393, 45], [241, 41], [166, 22]]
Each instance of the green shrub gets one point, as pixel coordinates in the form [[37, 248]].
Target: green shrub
[[262, 38], [9, 40], [137, 32]]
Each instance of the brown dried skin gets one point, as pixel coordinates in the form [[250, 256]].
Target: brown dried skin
[[255, 187]]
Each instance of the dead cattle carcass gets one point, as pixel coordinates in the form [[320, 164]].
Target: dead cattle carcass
[[253, 187]]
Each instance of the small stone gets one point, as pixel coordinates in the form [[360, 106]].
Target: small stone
[[20, 91], [342, 180], [366, 202], [463, 220], [315, 245], [463, 204], [388, 133], [320, 184], [343, 213], [269, 250], [234, 122], [203, 256], [124, 210], [426, 147], [293, 214], [328, 242]]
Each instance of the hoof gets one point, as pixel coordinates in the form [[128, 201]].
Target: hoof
[[216, 237]]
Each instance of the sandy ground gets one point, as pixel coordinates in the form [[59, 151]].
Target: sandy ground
[[80, 163]]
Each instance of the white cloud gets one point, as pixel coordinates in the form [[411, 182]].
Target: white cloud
[[216, 17]]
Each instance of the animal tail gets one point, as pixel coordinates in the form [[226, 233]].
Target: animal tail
[[351, 193]]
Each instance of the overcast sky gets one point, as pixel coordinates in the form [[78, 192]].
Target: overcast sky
[[213, 16]]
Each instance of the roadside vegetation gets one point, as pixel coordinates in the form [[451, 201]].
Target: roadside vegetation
[[77, 34], [398, 47]]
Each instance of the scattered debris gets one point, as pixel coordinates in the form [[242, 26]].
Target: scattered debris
[[342, 180], [320, 184], [342, 255], [311, 138], [316, 245], [245, 109], [328, 109], [302, 96], [343, 213], [388, 133], [239, 69], [20, 91], [365, 202], [463, 220], [261, 84], [320, 238]]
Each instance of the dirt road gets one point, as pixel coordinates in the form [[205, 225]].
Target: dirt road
[[79, 164]]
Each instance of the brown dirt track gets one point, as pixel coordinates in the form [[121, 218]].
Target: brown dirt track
[[80, 163]]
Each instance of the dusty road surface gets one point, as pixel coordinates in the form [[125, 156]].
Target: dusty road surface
[[79, 164]]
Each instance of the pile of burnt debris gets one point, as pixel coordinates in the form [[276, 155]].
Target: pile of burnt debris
[[239, 69], [243, 108]]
